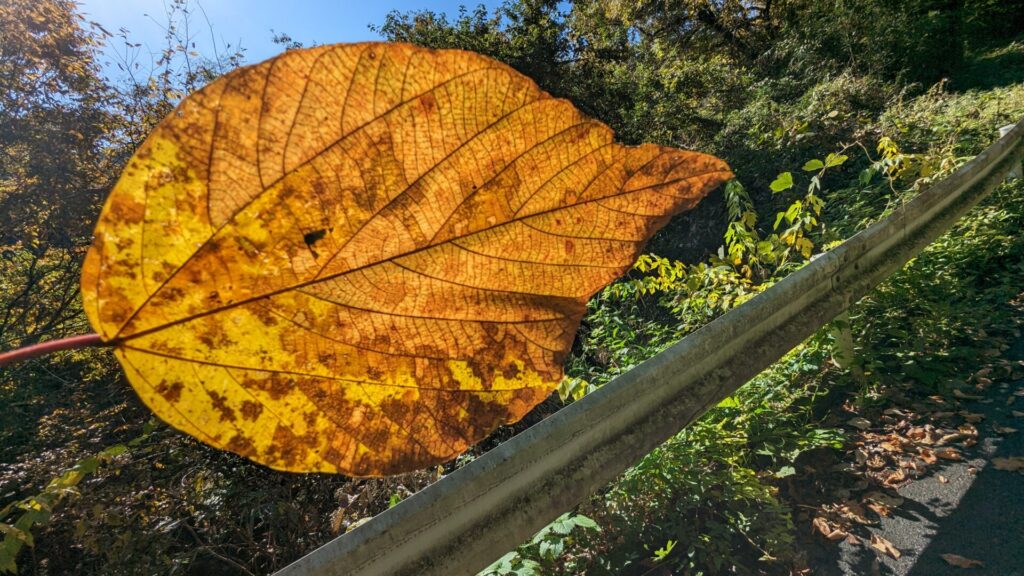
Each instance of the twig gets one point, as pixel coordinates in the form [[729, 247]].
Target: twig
[[70, 343]]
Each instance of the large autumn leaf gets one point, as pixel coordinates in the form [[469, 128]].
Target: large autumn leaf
[[364, 258]]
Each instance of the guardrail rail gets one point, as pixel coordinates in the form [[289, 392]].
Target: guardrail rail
[[467, 520]]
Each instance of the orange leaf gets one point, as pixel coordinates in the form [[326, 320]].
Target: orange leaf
[[364, 258], [825, 528]]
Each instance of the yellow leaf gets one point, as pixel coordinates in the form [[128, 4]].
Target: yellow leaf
[[364, 258]]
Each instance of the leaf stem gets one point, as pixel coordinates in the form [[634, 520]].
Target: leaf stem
[[70, 343]]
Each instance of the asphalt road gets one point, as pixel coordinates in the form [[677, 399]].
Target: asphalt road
[[975, 515]]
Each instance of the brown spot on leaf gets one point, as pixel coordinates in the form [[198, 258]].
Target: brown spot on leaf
[[251, 410], [171, 391], [220, 405]]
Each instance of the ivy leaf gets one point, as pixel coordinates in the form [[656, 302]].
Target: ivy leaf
[[364, 258], [783, 182]]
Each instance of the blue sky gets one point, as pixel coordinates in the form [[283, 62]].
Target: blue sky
[[248, 23]]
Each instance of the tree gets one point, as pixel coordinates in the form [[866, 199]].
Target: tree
[[53, 121]]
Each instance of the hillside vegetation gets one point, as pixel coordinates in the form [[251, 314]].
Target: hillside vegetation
[[861, 102]]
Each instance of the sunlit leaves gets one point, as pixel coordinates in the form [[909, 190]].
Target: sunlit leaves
[[364, 258], [783, 182]]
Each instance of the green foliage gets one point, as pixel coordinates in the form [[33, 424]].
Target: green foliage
[[544, 552], [720, 473], [38, 509]]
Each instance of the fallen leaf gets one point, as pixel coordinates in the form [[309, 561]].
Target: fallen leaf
[[855, 512], [883, 498], [948, 454], [875, 462], [971, 417], [1017, 413], [1011, 464], [952, 437], [959, 394], [833, 534], [1005, 430], [859, 423], [364, 258], [942, 479], [884, 546], [891, 446], [910, 464], [960, 561], [927, 455], [923, 434], [880, 509], [895, 478]]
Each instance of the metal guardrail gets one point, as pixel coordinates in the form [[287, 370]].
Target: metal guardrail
[[467, 520]]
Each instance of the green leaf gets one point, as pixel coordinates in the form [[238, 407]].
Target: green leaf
[[114, 451], [585, 522], [835, 160], [661, 553], [729, 402], [813, 165], [866, 175], [785, 471], [529, 568], [783, 182], [562, 526], [551, 549]]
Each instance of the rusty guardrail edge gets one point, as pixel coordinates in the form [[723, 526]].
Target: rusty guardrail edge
[[473, 516]]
